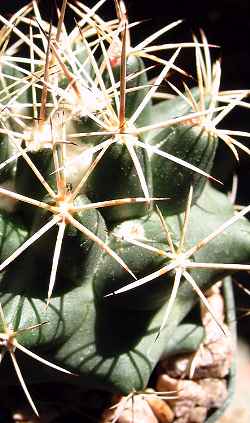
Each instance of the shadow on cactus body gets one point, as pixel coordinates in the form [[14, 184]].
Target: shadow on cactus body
[[106, 341]]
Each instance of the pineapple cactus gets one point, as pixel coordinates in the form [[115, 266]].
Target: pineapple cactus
[[111, 230]]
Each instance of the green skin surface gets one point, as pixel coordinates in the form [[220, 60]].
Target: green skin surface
[[109, 342], [170, 180], [115, 177], [6, 147], [26, 183]]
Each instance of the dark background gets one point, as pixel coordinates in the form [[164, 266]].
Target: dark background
[[226, 24]]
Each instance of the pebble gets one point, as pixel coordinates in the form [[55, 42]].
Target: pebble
[[161, 409]]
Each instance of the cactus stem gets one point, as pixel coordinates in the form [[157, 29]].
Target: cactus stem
[[151, 149], [219, 230], [8, 341], [69, 84], [122, 99], [154, 150], [62, 213], [179, 263], [98, 241], [121, 118], [31, 165], [142, 244], [130, 143], [91, 167], [30, 241]]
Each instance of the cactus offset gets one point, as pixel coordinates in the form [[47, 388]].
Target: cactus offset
[[111, 219]]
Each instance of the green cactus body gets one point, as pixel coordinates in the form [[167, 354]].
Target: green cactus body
[[116, 177], [12, 234], [192, 144], [26, 182], [108, 277], [169, 109], [114, 233], [74, 243]]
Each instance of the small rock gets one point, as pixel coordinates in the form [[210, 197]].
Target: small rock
[[165, 383], [189, 394], [208, 367], [161, 409], [215, 391], [186, 389], [200, 396], [181, 420], [198, 415]]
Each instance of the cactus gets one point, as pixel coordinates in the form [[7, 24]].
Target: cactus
[[111, 216]]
